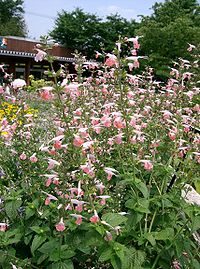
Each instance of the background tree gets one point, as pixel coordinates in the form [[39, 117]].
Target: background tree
[[115, 26], [167, 32], [88, 33], [12, 18], [78, 30]]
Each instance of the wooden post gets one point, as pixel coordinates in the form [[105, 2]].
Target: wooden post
[[11, 69], [27, 71]]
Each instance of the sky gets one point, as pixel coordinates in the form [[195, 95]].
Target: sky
[[40, 14]]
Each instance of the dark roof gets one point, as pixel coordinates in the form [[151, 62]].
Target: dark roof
[[31, 55]]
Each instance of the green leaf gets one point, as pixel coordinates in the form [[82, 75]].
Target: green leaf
[[49, 246], [115, 261], [106, 255], [165, 234], [114, 219], [68, 264], [139, 259], [40, 230], [85, 249], [3, 256], [150, 238], [66, 254], [142, 187], [14, 236], [55, 255], [11, 208], [195, 264], [42, 258], [29, 212], [28, 239], [139, 205], [37, 242], [92, 238], [196, 223]]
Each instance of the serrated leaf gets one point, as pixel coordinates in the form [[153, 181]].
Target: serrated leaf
[[68, 264], [106, 255], [29, 212], [150, 238], [37, 242], [11, 208], [142, 187], [66, 254], [39, 230], [85, 249], [196, 223], [114, 219], [141, 205], [42, 258], [48, 247], [165, 234], [115, 261]]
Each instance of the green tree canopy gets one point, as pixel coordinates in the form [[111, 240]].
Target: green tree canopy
[[88, 33], [167, 32], [12, 18], [77, 30]]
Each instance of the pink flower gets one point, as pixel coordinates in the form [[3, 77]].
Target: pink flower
[[191, 47], [136, 44], [95, 217], [22, 156], [130, 66], [108, 236], [147, 165], [119, 123], [47, 201], [134, 52], [52, 163], [79, 204], [79, 208], [46, 94], [111, 60], [3, 227], [103, 199], [106, 121], [100, 187], [110, 172], [48, 182], [57, 145], [78, 142], [60, 227], [118, 139], [136, 64], [18, 83], [172, 135], [33, 158], [1, 89], [79, 218], [40, 55]]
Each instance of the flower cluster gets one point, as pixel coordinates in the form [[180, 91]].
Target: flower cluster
[[101, 173]]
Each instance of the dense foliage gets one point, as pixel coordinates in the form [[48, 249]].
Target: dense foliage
[[88, 33], [11, 18], [166, 33], [103, 177]]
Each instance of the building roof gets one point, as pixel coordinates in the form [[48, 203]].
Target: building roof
[[31, 55], [25, 47]]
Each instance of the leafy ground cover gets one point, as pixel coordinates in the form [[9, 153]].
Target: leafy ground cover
[[94, 176]]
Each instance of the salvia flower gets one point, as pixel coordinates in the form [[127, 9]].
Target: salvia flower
[[60, 227]]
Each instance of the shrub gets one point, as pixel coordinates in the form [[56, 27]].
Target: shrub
[[97, 181]]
